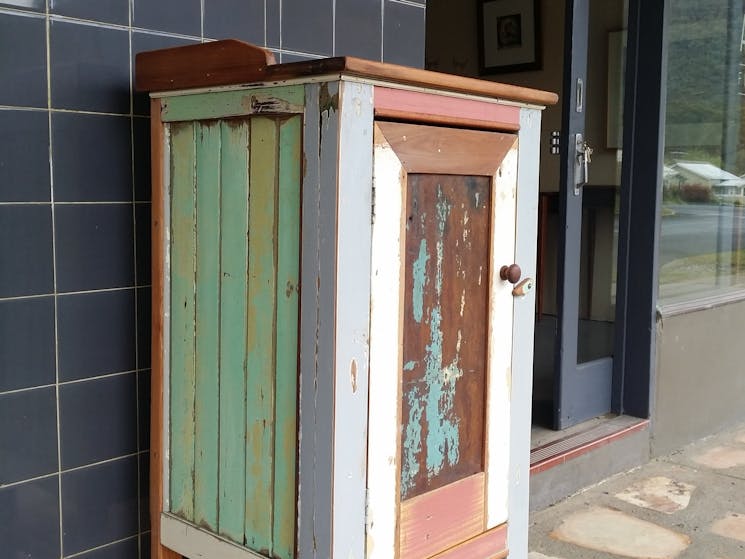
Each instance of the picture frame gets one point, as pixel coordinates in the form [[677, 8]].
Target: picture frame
[[509, 36]]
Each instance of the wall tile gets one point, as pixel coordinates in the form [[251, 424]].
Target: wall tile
[[28, 438], [173, 16], [27, 355], [99, 504], [29, 520], [110, 11], [307, 26], [121, 550], [23, 61], [24, 156], [142, 42], [25, 250], [90, 68], [98, 419], [145, 545], [142, 222], [143, 327], [30, 5], [143, 399], [403, 34], [141, 148], [272, 23], [92, 158], [358, 28], [95, 246], [96, 334], [235, 19], [144, 491]]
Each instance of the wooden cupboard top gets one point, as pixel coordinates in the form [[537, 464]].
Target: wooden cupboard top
[[232, 62]]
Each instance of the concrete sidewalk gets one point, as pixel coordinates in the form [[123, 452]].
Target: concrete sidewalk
[[687, 505]]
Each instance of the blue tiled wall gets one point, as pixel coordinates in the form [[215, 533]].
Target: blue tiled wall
[[74, 244]]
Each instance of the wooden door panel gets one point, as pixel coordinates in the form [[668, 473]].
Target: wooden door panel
[[445, 329]]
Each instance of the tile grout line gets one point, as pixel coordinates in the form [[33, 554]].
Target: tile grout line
[[73, 381], [48, 37], [104, 546], [66, 293], [136, 281]]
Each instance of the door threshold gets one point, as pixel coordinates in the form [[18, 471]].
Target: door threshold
[[566, 448]]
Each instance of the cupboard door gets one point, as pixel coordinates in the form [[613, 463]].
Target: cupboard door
[[441, 334]]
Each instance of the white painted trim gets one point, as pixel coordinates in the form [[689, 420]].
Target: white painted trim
[[166, 450], [385, 351], [352, 331], [501, 302], [195, 543], [523, 324]]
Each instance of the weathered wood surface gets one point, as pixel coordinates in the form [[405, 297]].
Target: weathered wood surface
[[207, 325], [159, 304], [317, 299], [243, 102], [197, 66], [445, 330], [419, 106], [442, 518], [235, 238], [430, 149], [288, 287], [227, 61], [489, 545], [182, 380], [233, 272]]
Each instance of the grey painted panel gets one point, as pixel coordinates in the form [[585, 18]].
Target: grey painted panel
[[317, 324], [522, 333], [700, 383], [352, 318]]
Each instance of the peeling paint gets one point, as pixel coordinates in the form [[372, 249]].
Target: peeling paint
[[410, 365], [432, 400], [420, 279], [353, 375]]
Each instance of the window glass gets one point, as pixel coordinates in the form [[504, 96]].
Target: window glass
[[702, 241]]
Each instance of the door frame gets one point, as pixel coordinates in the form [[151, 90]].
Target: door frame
[[641, 199], [633, 361], [581, 390]]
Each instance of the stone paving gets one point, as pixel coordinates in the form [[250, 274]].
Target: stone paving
[[687, 505]]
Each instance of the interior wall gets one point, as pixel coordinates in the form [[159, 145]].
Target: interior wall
[[453, 46], [452, 43]]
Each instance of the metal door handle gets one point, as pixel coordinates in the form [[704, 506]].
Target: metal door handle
[[582, 164]]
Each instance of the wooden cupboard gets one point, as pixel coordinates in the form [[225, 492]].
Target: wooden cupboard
[[342, 357]]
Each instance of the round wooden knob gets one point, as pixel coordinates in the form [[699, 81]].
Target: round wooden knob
[[510, 273]]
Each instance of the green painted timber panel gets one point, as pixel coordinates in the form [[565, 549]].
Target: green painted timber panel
[[244, 102], [182, 379], [235, 213], [261, 334], [207, 320], [234, 282], [288, 279]]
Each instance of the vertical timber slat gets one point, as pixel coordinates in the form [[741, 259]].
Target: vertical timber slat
[[182, 314], [233, 301], [352, 332], [261, 336], [207, 324], [288, 277], [317, 254], [158, 233]]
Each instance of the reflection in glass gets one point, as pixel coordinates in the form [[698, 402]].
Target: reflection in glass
[[702, 241]]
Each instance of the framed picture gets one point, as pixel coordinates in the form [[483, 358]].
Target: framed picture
[[509, 36]]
